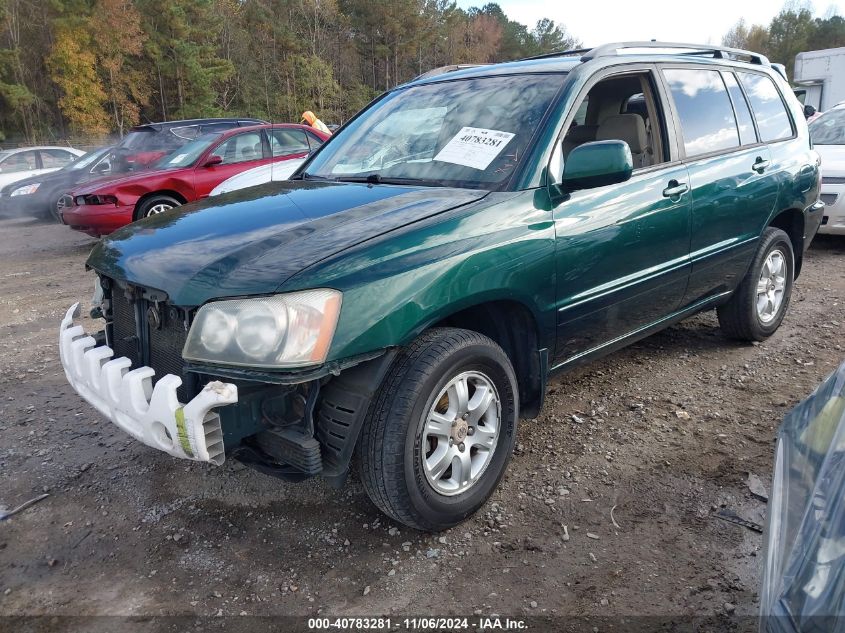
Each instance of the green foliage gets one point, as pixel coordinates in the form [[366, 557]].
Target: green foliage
[[790, 32]]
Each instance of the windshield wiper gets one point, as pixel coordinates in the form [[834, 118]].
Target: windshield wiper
[[306, 176], [376, 179]]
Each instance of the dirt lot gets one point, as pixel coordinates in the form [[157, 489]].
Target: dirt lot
[[665, 431]]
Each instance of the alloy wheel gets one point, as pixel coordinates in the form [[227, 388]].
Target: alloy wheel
[[771, 286], [460, 433]]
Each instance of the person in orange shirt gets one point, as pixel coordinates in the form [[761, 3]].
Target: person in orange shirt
[[309, 118]]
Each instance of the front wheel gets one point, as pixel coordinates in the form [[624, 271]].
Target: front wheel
[[155, 205], [756, 309], [441, 430]]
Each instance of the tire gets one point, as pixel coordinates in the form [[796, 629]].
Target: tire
[[55, 200], [741, 318], [396, 438], [151, 206]]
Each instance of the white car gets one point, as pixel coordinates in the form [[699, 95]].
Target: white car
[[258, 176], [17, 164], [828, 134]]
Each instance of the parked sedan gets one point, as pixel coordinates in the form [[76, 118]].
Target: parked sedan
[[828, 134], [187, 174], [17, 164], [43, 195]]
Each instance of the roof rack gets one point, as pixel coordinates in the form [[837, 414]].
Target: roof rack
[[718, 52], [446, 69]]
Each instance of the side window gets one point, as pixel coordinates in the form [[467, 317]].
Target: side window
[[747, 135], [620, 107], [707, 118], [21, 161], [315, 141], [772, 120], [55, 158], [284, 142], [240, 148], [581, 113]]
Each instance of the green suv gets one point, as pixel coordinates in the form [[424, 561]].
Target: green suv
[[402, 301]]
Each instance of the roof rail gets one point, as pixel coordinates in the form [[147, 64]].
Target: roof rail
[[570, 53], [446, 69], [718, 52]]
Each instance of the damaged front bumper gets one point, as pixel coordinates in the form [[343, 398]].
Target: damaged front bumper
[[127, 397]]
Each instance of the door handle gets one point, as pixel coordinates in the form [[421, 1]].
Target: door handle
[[675, 189], [760, 165]]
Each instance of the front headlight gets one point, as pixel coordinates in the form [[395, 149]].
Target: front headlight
[[287, 330], [26, 190]]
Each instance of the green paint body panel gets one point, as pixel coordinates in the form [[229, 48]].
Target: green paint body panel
[[594, 267]]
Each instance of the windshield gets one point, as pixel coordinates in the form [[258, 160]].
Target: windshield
[[188, 153], [87, 160], [829, 128], [465, 133]]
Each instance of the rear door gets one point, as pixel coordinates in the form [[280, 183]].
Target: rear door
[[733, 187], [238, 152], [53, 159]]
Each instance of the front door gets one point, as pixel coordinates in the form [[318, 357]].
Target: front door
[[238, 153], [622, 251]]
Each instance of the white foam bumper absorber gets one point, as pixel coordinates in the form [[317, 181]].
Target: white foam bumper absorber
[[126, 397]]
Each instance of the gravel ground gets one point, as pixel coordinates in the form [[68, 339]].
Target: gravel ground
[[606, 508]]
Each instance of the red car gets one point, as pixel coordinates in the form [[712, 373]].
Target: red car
[[189, 173]]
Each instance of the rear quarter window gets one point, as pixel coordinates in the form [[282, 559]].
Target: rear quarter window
[[766, 103]]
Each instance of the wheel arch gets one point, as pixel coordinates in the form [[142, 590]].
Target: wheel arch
[[160, 192], [791, 222], [513, 326]]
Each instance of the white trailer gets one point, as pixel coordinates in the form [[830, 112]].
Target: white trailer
[[821, 75]]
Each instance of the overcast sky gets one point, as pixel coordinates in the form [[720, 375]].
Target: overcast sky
[[604, 21]]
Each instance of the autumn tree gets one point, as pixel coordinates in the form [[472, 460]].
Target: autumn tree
[[73, 68], [125, 85]]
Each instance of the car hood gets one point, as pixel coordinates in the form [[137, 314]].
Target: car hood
[[251, 241], [50, 177], [833, 159], [119, 180]]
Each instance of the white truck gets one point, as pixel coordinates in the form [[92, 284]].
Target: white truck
[[820, 78]]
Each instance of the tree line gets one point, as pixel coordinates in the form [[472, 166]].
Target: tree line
[[93, 68], [790, 32], [96, 67]]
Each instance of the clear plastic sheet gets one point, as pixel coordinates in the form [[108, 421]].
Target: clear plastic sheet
[[803, 587]]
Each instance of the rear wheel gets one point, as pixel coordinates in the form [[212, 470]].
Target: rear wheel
[[155, 205], [441, 430], [756, 309]]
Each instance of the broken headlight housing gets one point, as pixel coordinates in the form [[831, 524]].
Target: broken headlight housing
[[281, 331]]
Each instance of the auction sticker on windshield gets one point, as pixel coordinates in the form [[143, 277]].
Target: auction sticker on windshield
[[474, 147]]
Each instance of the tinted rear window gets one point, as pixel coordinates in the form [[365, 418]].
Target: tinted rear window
[[772, 119], [707, 118]]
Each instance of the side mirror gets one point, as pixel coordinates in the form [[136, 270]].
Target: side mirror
[[597, 164], [809, 111], [213, 160]]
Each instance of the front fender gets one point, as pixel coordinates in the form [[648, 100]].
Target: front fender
[[402, 282]]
